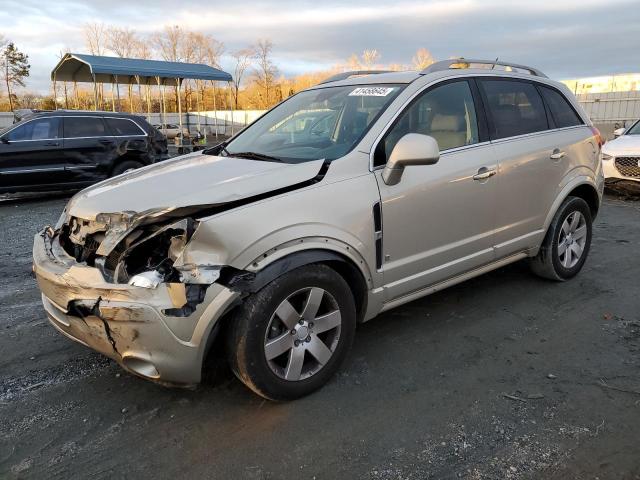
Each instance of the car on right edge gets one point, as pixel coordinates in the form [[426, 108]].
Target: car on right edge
[[621, 158]]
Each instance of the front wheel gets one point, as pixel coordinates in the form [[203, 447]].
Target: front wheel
[[289, 338], [566, 245]]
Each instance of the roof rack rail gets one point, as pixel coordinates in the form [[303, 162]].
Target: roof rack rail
[[353, 73], [466, 62]]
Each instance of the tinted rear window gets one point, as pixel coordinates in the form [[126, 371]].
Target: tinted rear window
[[83, 127], [123, 126], [515, 107], [562, 112]]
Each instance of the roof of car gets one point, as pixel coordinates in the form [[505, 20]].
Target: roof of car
[[370, 79], [88, 113], [445, 68]]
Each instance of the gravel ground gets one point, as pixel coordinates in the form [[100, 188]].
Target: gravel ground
[[505, 376]]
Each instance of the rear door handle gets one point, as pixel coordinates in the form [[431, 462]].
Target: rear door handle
[[484, 173], [106, 142], [52, 144], [557, 154]]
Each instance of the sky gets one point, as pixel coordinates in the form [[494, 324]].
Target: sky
[[564, 38]]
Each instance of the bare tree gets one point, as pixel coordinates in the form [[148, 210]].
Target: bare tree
[[95, 37], [121, 41], [169, 43], [422, 59], [365, 61], [370, 58], [353, 63], [265, 71], [243, 59]]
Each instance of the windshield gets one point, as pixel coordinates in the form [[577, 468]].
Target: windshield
[[324, 123], [634, 130]]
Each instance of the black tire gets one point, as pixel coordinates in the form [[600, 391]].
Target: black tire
[[254, 318], [547, 263], [124, 166]]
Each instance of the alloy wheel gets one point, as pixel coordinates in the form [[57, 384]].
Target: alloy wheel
[[302, 334], [572, 239]]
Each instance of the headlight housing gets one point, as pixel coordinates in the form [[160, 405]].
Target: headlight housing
[[607, 157]]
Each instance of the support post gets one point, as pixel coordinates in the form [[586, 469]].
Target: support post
[[130, 88], [113, 100], [118, 92], [231, 105], [75, 95], [95, 93], [147, 89], [198, 111], [215, 109], [180, 110], [55, 92], [163, 101]]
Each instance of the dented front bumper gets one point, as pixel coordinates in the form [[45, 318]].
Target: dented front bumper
[[124, 322]]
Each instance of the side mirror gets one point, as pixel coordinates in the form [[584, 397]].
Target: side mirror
[[4, 140], [412, 149], [617, 132]]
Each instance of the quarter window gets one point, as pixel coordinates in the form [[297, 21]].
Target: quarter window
[[75, 127], [122, 126], [38, 129], [516, 108], [447, 113], [562, 112]]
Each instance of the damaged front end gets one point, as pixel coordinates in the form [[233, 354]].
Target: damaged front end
[[118, 284], [139, 286], [141, 250]]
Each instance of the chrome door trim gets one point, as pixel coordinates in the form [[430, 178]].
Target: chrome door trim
[[143, 134], [31, 170]]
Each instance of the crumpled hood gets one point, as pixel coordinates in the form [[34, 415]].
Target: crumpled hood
[[189, 180], [626, 144]]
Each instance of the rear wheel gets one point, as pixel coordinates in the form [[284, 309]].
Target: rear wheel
[[566, 245], [126, 166], [289, 338]]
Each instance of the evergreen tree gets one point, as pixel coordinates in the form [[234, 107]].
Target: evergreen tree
[[14, 68]]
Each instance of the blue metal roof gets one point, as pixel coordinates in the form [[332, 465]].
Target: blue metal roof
[[87, 68]]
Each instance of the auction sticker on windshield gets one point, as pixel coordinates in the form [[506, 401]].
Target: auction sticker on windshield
[[371, 91]]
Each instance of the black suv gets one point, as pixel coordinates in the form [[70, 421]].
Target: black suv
[[68, 149]]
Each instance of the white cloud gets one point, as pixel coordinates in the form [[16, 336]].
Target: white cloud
[[569, 37]]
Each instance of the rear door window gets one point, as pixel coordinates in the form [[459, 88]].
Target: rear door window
[[561, 110], [516, 108], [123, 127], [38, 129], [83, 127]]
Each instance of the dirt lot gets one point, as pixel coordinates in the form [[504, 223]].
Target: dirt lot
[[505, 376]]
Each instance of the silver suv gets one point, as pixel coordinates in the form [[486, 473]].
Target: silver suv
[[346, 200]]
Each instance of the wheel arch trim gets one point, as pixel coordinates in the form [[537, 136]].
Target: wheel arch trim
[[573, 184]]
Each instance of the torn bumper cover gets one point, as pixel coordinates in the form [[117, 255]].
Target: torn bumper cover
[[136, 326]]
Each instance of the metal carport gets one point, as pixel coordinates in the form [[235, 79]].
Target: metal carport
[[76, 67]]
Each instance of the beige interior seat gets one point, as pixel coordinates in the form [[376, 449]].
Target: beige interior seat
[[449, 131]]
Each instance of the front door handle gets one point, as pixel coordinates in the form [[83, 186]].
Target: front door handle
[[106, 142], [52, 144], [484, 173], [557, 154]]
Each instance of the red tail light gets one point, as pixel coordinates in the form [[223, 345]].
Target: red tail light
[[598, 135]]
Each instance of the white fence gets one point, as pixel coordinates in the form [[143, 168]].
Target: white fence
[[605, 109], [225, 121]]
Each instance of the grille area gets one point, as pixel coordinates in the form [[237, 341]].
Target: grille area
[[628, 166]]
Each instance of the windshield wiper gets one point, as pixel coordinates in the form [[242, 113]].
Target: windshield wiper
[[254, 156]]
